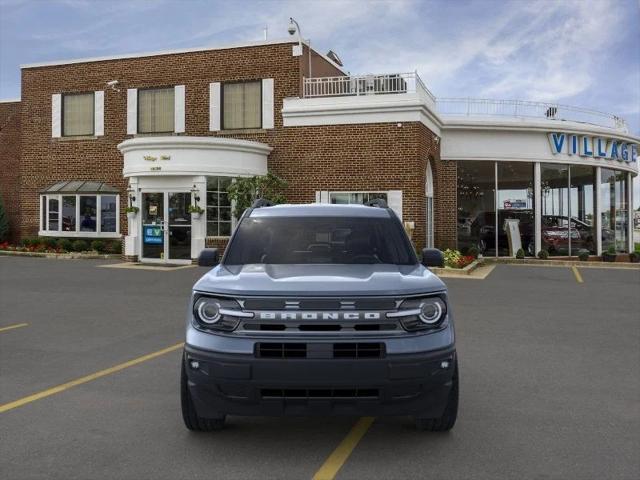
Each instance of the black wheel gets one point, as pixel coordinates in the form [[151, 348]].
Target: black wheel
[[450, 414], [191, 419]]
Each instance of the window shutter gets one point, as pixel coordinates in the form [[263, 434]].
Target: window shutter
[[324, 197], [56, 115], [394, 200], [214, 107], [267, 103], [132, 111], [178, 111], [98, 112]]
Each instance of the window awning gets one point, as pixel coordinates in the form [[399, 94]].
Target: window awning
[[80, 186]]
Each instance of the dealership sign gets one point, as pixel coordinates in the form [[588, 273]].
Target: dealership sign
[[597, 147]]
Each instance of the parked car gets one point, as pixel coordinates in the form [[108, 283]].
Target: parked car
[[320, 309]]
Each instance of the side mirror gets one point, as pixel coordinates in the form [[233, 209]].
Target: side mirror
[[432, 257], [208, 257]]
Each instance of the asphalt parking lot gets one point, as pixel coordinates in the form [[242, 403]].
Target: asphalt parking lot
[[549, 367]]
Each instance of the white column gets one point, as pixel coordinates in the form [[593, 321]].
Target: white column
[[598, 212], [132, 239], [630, 212], [199, 227], [537, 200]]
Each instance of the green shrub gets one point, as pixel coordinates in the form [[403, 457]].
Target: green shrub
[[473, 251], [583, 255], [50, 243], [637, 247], [611, 250], [520, 254], [80, 246], [543, 254], [98, 246], [451, 258], [115, 246], [66, 244], [27, 242]]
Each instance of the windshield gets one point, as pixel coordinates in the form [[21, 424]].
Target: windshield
[[312, 240]]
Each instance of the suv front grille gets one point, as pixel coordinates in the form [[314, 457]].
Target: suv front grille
[[312, 393], [355, 350], [320, 304]]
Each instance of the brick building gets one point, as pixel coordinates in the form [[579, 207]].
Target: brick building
[[163, 131]]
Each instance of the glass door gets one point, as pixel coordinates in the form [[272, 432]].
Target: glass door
[[153, 214], [179, 226]]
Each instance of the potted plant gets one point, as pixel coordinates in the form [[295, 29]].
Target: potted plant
[[583, 255], [195, 211], [634, 256], [543, 254], [610, 255], [131, 212]]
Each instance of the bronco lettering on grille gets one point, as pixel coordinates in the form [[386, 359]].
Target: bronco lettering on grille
[[319, 315]]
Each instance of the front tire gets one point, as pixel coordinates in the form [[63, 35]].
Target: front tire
[[448, 418], [191, 418]]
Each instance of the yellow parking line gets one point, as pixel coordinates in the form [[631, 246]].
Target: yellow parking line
[[79, 381], [576, 274], [11, 327], [334, 463]]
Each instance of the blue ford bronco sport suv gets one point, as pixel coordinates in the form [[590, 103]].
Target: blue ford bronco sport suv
[[319, 309]]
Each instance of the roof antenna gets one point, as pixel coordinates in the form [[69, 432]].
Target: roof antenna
[[266, 32]]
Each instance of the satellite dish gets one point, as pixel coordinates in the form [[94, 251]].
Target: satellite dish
[[334, 57]]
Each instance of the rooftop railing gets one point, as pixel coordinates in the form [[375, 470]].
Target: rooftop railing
[[478, 107], [356, 85], [399, 83]]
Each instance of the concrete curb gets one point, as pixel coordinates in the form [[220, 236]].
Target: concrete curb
[[563, 263], [63, 256], [448, 271]]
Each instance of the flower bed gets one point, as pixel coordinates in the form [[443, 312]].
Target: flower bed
[[454, 259], [47, 245]]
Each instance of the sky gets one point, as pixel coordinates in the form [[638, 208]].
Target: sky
[[576, 52]]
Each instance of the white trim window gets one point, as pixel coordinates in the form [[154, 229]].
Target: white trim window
[[359, 198], [242, 105], [80, 215], [219, 207]]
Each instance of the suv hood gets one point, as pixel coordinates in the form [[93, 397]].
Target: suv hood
[[310, 280]]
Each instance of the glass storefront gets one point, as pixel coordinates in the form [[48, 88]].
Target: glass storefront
[[614, 210], [515, 205], [476, 206], [493, 196]]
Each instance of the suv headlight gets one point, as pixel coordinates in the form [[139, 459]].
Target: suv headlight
[[421, 313], [217, 313]]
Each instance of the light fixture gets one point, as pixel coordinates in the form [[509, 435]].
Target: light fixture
[[195, 193], [294, 28], [132, 197]]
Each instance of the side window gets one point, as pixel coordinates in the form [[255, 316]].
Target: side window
[[242, 105], [78, 114], [156, 112]]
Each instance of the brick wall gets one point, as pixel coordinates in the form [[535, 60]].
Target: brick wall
[[341, 157], [10, 163]]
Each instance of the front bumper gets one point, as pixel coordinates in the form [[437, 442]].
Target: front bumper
[[242, 384]]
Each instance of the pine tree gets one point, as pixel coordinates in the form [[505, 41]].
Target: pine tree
[[4, 223]]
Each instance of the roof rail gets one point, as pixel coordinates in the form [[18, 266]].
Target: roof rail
[[377, 202], [262, 202]]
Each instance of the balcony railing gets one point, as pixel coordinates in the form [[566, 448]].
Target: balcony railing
[[475, 107], [357, 85], [399, 83]]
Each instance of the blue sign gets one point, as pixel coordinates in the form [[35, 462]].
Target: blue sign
[[597, 147], [152, 235]]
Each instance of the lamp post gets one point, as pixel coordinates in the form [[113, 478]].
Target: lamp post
[[293, 28]]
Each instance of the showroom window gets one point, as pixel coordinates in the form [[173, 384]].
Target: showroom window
[[242, 105], [614, 209], [78, 114], [345, 198], [80, 209], [515, 208], [218, 207], [156, 110], [477, 206]]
